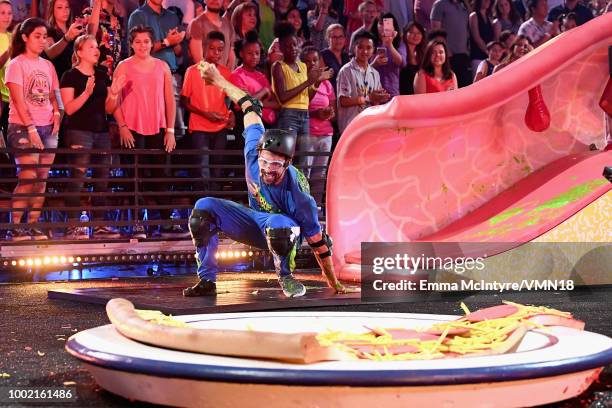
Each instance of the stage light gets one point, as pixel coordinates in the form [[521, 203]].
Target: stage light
[[47, 260], [70, 259], [223, 255], [29, 262], [250, 253], [22, 262], [14, 263], [236, 254], [37, 262], [55, 260], [5, 263], [244, 254], [217, 255], [78, 259]]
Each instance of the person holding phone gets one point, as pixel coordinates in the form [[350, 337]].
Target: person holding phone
[[62, 33], [390, 55]]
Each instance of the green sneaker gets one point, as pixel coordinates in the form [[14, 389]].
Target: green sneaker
[[291, 287]]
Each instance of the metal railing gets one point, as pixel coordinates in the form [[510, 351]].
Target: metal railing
[[138, 191]]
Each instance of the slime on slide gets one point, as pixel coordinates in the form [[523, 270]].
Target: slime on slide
[[504, 160]]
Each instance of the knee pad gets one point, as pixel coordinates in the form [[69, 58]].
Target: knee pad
[[281, 240], [202, 227]]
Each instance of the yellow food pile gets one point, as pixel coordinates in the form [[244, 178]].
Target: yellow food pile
[[472, 338], [155, 316]]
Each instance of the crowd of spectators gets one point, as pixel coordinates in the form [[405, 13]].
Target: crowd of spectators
[[119, 73]]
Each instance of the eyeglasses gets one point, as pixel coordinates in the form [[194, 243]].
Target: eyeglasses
[[271, 164], [337, 37]]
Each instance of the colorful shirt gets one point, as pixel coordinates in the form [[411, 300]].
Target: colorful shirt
[[38, 80], [253, 82], [291, 197], [432, 85], [109, 35], [293, 79], [205, 97], [324, 97], [143, 101]]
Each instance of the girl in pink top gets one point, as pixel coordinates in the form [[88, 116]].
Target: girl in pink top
[[34, 121], [247, 78], [322, 109], [435, 74], [146, 107]]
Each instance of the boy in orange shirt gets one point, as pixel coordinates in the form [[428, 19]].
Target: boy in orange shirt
[[210, 116]]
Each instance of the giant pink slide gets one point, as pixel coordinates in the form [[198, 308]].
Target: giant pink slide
[[463, 166]]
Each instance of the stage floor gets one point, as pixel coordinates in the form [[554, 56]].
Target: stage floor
[[34, 328]]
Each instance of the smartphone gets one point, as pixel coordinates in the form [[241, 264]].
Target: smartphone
[[388, 26], [382, 51]]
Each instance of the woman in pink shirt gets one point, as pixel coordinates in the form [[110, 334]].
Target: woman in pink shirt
[[321, 109], [34, 121], [435, 74], [255, 83], [146, 109]]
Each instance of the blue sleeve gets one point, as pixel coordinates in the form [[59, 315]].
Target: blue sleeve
[[306, 215], [305, 212], [252, 134]]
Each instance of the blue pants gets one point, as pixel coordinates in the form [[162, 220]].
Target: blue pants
[[244, 225]]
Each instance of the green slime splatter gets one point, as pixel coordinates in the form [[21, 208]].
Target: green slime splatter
[[563, 199], [574, 194], [505, 215]]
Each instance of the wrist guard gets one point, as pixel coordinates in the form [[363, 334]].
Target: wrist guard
[[327, 241], [256, 105]]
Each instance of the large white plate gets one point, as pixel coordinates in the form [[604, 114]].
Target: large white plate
[[543, 353]]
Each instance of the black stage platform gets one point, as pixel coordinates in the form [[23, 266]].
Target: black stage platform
[[34, 328], [233, 296]]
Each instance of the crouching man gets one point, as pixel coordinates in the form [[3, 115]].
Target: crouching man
[[281, 212]]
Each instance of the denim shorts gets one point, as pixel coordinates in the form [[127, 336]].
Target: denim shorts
[[19, 138]]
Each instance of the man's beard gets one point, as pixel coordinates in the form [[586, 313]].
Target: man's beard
[[274, 176], [212, 10]]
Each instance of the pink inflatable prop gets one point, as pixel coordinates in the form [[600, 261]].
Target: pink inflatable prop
[[429, 167]]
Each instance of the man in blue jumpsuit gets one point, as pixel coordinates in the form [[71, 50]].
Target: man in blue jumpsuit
[[281, 212]]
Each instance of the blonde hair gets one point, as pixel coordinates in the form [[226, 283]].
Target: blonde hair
[[331, 29], [78, 46]]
